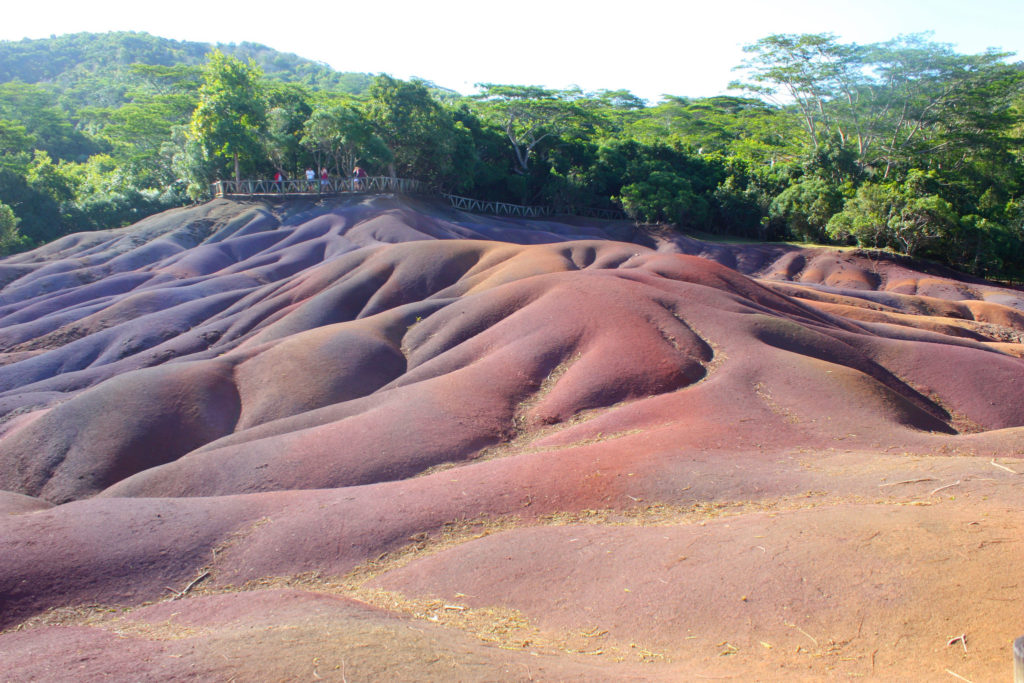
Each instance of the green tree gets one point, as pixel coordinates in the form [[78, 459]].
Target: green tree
[[137, 134], [49, 178], [907, 103], [49, 126], [935, 108], [192, 166], [529, 115], [288, 107], [907, 217], [39, 212], [809, 70], [805, 207], [664, 197], [231, 113], [166, 80], [656, 183], [425, 140], [10, 238], [15, 139], [339, 136], [743, 126], [865, 216], [491, 175]]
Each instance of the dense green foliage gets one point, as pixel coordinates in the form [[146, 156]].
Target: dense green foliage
[[96, 130], [232, 112], [904, 145]]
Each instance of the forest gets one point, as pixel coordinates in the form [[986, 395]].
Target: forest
[[906, 145]]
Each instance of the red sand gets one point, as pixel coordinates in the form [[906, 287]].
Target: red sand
[[686, 460]]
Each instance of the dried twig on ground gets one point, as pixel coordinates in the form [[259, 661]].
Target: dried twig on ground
[[190, 586], [813, 639], [1002, 467], [906, 481], [955, 483]]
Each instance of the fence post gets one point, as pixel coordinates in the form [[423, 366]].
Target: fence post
[[1018, 660]]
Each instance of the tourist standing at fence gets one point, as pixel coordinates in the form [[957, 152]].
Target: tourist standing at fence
[[357, 177], [278, 180], [310, 180], [325, 179]]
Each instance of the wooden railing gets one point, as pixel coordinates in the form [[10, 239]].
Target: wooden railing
[[374, 185], [497, 208], [386, 184]]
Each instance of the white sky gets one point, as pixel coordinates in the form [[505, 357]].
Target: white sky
[[650, 47]]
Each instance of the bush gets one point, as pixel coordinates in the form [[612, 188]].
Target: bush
[[903, 217], [805, 208], [665, 197]]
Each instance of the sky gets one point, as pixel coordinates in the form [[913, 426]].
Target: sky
[[649, 47]]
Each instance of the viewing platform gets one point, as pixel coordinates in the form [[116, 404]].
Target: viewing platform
[[386, 184]]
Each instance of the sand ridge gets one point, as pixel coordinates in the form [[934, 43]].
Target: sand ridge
[[501, 449]]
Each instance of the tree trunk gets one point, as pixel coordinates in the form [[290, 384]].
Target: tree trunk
[[238, 176]]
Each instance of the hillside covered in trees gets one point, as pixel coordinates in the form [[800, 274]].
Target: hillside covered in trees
[[905, 145]]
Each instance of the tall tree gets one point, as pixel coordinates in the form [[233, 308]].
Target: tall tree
[[232, 110], [288, 108], [51, 128], [339, 136], [808, 70], [937, 108], [15, 144], [902, 104], [424, 138], [529, 115]]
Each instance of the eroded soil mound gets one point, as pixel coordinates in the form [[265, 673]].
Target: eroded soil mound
[[382, 439]]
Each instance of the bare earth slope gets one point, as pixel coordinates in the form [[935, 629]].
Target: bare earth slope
[[378, 439]]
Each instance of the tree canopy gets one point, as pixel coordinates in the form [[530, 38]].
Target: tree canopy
[[905, 145], [231, 111]]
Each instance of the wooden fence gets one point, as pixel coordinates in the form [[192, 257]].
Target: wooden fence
[[271, 188], [386, 184], [496, 208]]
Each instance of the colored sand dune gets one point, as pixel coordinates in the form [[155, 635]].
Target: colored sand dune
[[367, 440]]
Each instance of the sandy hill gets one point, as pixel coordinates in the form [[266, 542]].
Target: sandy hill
[[381, 440]]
